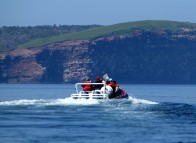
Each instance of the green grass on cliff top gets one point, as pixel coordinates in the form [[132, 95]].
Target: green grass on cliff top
[[109, 30]]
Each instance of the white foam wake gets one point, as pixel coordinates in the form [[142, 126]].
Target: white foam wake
[[67, 101], [50, 102], [71, 101], [141, 101], [22, 102]]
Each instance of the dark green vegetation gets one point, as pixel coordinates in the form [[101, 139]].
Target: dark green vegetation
[[13, 36], [23, 37], [116, 29]]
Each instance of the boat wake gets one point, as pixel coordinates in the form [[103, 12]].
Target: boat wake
[[70, 101], [141, 101]]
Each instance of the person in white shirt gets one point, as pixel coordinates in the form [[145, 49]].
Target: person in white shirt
[[107, 89]]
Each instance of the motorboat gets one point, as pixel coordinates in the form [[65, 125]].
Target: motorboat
[[98, 94]]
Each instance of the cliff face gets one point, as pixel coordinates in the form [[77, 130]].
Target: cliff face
[[149, 57], [20, 66], [136, 57], [54, 63]]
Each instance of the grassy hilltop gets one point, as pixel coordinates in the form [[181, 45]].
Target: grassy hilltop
[[22, 37], [121, 28], [13, 36]]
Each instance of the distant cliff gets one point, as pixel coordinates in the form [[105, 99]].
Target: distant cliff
[[139, 55]]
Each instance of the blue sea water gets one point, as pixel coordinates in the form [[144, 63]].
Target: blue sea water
[[44, 113]]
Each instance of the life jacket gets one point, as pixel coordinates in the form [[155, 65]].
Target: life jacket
[[113, 85], [87, 87]]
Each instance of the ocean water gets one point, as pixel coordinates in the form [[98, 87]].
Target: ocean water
[[44, 113]]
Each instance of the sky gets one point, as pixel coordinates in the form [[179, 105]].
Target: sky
[[87, 12]]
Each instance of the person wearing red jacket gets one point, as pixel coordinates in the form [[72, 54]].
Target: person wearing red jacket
[[87, 87], [114, 86]]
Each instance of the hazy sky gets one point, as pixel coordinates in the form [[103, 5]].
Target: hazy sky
[[83, 12]]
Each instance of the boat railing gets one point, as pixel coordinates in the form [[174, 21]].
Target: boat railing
[[80, 84], [94, 94]]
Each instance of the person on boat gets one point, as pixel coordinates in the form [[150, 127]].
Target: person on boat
[[98, 86], [115, 88], [107, 89], [117, 91], [114, 85], [87, 87]]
